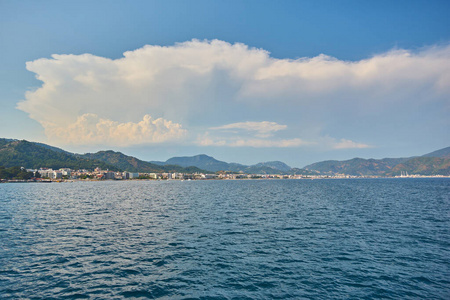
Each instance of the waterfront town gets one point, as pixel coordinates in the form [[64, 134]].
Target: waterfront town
[[69, 175], [98, 174]]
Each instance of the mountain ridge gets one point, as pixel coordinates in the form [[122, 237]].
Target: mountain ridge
[[134, 164], [441, 153], [433, 163], [207, 162], [15, 152], [32, 155]]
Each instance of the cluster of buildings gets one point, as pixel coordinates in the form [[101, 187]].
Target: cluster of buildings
[[98, 174], [66, 173]]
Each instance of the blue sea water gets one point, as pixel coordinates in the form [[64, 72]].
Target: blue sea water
[[248, 239]]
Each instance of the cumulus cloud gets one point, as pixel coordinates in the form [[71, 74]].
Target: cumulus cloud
[[398, 73], [91, 129], [207, 83], [262, 129]]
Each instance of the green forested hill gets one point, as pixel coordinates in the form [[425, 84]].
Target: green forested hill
[[133, 164], [32, 155], [434, 163], [21, 153], [209, 163], [357, 166], [441, 153], [424, 166], [15, 173], [201, 161], [36, 155]]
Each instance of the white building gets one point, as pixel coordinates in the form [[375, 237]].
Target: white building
[[66, 171], [134, 175], [46, 173], [57, 175]]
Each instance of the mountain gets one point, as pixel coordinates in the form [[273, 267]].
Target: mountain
[[442, 153], [211, 164], [298, 171], [56, 149], [33, 155], [271, 167], [5, 141], [424, 166], [204, 162], [37, 155], [201, 161], [277, 165], [132, 164], [356, 166], [434, 163]]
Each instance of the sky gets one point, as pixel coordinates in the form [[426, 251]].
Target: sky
[[242, 81]]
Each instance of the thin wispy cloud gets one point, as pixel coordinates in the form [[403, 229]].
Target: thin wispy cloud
[[262, 129], [208, 140], [348, 144]]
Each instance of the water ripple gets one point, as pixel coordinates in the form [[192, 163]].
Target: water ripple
[[279, 239]]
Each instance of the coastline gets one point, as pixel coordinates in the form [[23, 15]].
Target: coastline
[[220, 179]]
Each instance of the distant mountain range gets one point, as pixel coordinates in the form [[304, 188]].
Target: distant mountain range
[[35, 155], [211, 164], [132, 164], [442, 153], [434, 163]]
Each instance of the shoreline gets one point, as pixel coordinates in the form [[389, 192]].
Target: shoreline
[[218, 179]]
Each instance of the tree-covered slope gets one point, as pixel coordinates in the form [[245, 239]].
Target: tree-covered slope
[[201, 161], [277, 165], [209, 163], [356, 166], [132, 164], [442, 153], [15, 173], [32, 155], [423, 166], [434, 163]]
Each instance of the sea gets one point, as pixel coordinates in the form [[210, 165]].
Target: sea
[[229, 239]]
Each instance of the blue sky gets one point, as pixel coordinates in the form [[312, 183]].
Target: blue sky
[[243, 81]]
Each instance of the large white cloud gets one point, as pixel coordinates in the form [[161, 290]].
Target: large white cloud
[[204, 84], [90, 129]]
